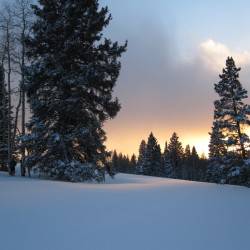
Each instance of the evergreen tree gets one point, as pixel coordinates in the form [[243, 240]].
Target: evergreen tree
[[124, 163], [127, 165], [153, 165], [120, 163], [167, 166], [228, 142], [70, 81], [194, 153], [203, 156], [231, 113], [203, 165], [133, 164], [3, 122], [187, 164], [187, 152], [217, 155], [141, 157], [115, 162], [217, 148], [176, 155], [195, 164]]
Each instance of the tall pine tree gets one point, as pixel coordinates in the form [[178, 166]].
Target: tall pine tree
[[133, 164], [69, 87], [228, 141], [141, 157], [217, 169], [231, 113], [176, 155], [153, 164], [195, 164], [187, 152], [167, 166], [187, 163], [217, 148]]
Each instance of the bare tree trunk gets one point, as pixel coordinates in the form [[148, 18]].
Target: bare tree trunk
[[9, 95], [22, 89], [4, 113], [23, 124], [23, 16], [16, 119], [6, 25], [243, 151]]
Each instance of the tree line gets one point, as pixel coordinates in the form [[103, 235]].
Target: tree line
[[173, 162]]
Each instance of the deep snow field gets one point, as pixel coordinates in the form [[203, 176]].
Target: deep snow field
[[127, 213]]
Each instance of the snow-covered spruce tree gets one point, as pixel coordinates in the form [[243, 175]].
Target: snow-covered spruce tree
[[217, 154], [153, 165], [69, 87], [167, 166], [231, 113], [217, 148], [141, 157], [3, 122], [176, 155]]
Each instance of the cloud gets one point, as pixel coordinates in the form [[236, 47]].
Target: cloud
[[214, 54]]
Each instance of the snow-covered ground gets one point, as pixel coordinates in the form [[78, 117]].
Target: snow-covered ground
[[127, 213]]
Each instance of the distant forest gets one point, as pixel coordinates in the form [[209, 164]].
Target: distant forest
[[173, 162]]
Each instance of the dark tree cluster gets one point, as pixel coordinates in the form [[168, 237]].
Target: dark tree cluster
[[123, 163], [174, 162]]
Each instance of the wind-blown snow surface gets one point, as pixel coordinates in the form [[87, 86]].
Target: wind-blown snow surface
[[127, 213]]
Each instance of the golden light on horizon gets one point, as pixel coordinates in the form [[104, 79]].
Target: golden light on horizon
[[126, 140]]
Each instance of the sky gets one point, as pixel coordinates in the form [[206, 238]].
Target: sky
[[176, 51]]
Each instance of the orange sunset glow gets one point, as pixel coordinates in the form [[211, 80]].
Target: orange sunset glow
[[128, 140]]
